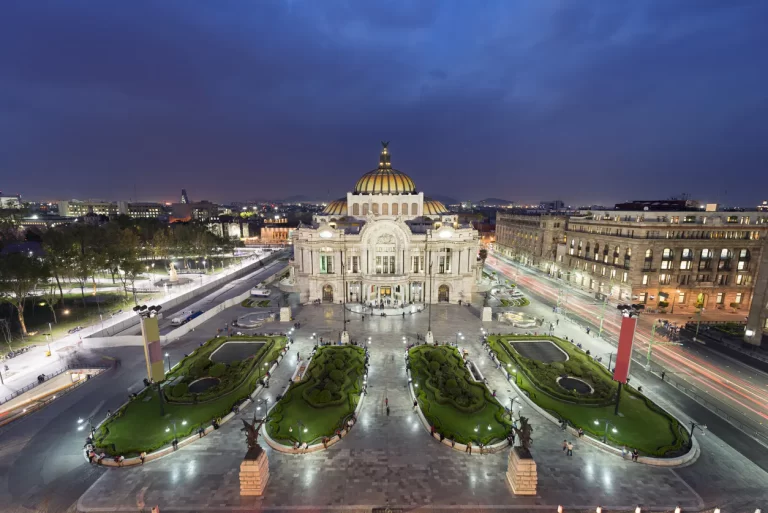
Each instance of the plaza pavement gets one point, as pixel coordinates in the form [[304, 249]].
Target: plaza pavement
[[392, 461]]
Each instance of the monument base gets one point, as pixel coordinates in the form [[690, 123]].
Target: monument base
[[487, 314], [430, 338], [254, 472], [285, 314], [345, 337], [521, 473]]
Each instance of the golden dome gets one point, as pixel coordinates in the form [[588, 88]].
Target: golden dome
[[434, 207], [336, 207], [385, 180]]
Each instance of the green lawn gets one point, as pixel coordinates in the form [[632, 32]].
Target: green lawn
[[459, 408], [643, 424], [139, 425], [522, 301], [319, 404]]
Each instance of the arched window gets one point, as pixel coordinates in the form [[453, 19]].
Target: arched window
[[375, 207], [385, 209], [365, 209], [648, 254], [356, 209], [405, 209], [394, 209], [666, 254], [414, 209]]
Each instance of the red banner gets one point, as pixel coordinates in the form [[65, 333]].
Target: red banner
[[624, 353]]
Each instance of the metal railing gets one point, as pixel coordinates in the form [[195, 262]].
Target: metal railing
[[48, 377]]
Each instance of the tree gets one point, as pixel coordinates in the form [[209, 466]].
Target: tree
[[129, 271], [5, 329], [20, 274], [51, 297], [86, 260], [59, 255]]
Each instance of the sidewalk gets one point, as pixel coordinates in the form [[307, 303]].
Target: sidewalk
[[24, 368]]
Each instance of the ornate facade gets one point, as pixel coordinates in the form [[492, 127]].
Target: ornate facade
[[385, 243]]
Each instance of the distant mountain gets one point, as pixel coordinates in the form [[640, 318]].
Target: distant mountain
[[445, 200], [494, 201]]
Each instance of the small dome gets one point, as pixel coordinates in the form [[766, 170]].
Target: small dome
[[336, 207], [384, 179], [433, 207]]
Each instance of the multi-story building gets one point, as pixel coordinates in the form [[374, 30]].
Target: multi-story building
[[10, 201], [676, 261], [385, 243], [531, 238], [75, 208], [140, 209]]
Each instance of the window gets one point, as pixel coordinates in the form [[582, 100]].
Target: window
[[356, 209], [385, 209], [681, 298], [742, 265], [725, 254], [414, 209], [666, 254], [444, 262], [687, 254], [417, 264], [686, 265], [738, 298], [645, 279], [648, 254], [385, 264], [664, 279], [722, 279], [405, 209], [394, 209], [365, 209], [326, 264], [740, 279], [720, 298], [355, 264], [641, 298], [705, 262], [375, 207], [624, 277]]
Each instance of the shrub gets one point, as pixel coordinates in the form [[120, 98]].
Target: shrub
[[434, 366], [199, 367], [337, 376], [217, 370], [323, 396], [339, 363], [179, 390]]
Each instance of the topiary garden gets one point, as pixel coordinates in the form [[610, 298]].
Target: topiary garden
[[323, 400], [458, 407], [642, 424], [138, 426]]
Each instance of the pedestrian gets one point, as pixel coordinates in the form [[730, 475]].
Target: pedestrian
[[298, 356], [415, 404], [557, 322], [565, 445], [662, 375], [175, 444], [635, 454], [387, 411], [143, 456], [469, 448], [570, 449], [109, 413], [623, 452], [386, 401], [581, 432]]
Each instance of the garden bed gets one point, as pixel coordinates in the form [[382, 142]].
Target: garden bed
[[518, 302], [255, 303], [459, 408], [138, 426], [323, 400], [642, 424]]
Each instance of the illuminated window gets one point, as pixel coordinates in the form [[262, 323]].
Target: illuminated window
[[720, 297], [645, 279], [738, 298], [624, 277]]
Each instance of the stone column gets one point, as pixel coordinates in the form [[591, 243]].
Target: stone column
[[521, 473], [758, 308], [254, 472]]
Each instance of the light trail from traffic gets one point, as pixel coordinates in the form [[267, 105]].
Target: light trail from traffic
[[715, 381]]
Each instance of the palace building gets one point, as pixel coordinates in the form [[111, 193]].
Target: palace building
[[385, 243]]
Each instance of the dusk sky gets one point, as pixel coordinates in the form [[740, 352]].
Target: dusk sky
[[585, 101]]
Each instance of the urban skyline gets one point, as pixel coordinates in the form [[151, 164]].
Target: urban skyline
[[588, 95]]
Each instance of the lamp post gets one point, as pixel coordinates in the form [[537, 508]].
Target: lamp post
[[695, 425], [674, 300], [168, 357], [81, 425], [605, 433]]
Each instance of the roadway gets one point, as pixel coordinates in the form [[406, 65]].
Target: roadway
[[733, 389], [23, 369], [41, 459]]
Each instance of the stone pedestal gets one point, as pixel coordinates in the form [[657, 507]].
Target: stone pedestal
[[254, 472], [430, 338], [521, 472], [345, 337], [487, 314], [285, 314]]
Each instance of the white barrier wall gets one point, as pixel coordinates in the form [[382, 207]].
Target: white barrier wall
[[132, 320]]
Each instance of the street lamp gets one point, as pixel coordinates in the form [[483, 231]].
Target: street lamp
[[458, 334], [605, 433], [81, 424], [169, 361], [674, 300]]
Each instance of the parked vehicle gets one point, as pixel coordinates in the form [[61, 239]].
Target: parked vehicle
[[259, 292], [185, 317]]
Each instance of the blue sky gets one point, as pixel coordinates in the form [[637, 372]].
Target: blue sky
[[585, 101]]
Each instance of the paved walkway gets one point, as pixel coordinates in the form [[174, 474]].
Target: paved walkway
[[392, 461]]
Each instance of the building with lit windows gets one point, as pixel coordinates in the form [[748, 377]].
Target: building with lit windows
[[385, 243], [674, 261]]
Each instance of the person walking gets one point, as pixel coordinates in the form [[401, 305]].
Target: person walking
[[635, 454], [387, 411], [386, 401], [142, 457], [570, 449], [623, 452], [565, 445]]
